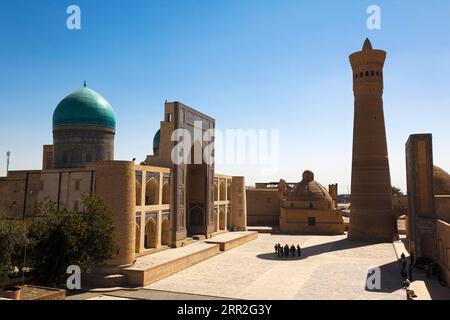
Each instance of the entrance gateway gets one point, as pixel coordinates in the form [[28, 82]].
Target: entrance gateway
[[192, 184]]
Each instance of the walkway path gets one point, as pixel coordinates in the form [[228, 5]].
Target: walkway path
[[331, 268]]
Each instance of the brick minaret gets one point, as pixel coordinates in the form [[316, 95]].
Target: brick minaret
[[371, 217]]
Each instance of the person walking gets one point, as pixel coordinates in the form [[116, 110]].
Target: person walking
[[406, 283], [403, 258], [299, 251]]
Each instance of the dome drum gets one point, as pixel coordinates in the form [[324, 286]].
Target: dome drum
[[309, 194], [310, 209], [84, 127]]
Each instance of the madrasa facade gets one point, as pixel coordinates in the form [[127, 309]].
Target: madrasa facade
[[156, 203]]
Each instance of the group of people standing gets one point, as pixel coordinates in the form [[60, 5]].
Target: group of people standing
[[287, 251]]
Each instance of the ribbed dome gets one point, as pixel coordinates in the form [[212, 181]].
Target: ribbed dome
[[84, 107], [309, 190], [441, 181]]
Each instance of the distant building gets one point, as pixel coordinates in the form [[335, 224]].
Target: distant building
[[295, 208], [343, 199], [264, 203], [311, 209]]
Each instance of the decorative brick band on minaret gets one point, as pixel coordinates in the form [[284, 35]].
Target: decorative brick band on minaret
[[371, 216]]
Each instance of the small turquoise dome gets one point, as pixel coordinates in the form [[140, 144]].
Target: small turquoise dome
[[84, 107], [157, 139]]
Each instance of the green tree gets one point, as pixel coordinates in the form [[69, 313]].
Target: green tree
[[12, 242], [64, 238], [396, 192]]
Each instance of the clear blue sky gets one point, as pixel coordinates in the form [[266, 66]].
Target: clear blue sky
[[248, 63]]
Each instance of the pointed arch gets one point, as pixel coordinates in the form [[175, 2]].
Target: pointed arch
[[152, 192], [222, 191], [165, 232], [222, 225], [196, 216], [216, 191], [166, 193], [150, 234], [216, 218], [138, 239], [138, 194]]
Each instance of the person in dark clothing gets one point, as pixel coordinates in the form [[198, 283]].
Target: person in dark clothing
[[406, 284], [286, 250], [293, 250], [403, 258], [299, 251], [404, 274], [276, 249]]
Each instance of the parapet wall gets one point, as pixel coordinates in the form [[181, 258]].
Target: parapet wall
[[263, 207], [443, 248]]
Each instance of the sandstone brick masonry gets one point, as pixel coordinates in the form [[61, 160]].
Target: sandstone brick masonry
[[371, 197], [443, 248], [428, 204], [144, 199]]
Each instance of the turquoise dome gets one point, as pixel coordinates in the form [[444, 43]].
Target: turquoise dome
[[157, 139], [84, 107]]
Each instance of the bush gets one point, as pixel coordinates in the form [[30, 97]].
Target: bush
[[12, 242], [397, 192], [61, 239]]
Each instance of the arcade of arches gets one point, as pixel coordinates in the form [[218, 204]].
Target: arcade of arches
[[152, 208], [201, 202], [222, 203], [153, 197]]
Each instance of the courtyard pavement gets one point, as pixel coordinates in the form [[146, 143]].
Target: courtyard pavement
[[331, 268]]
